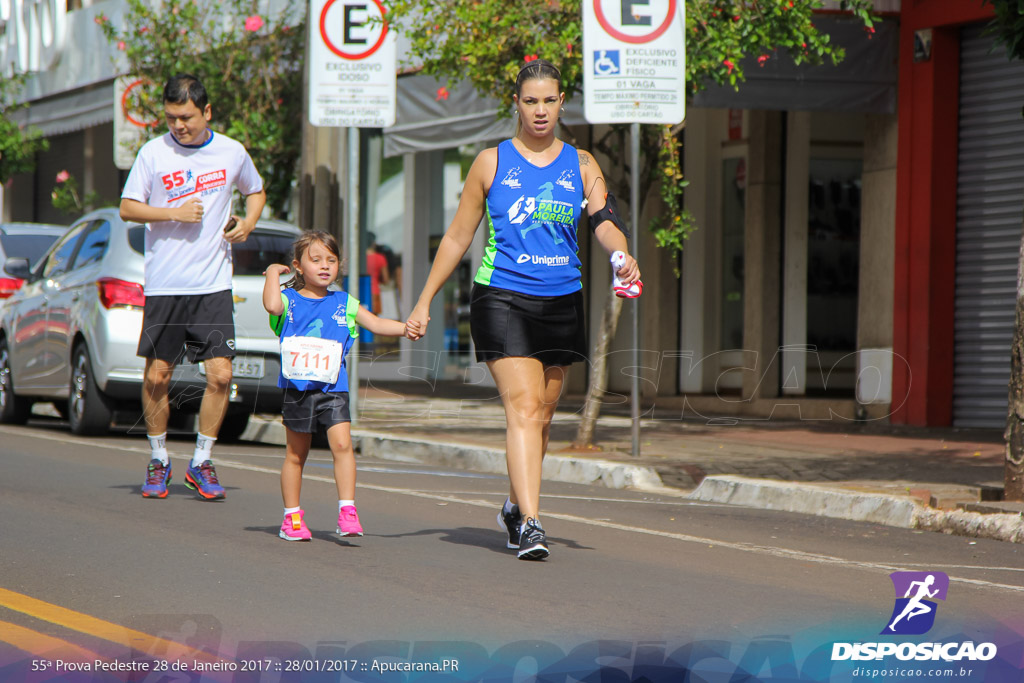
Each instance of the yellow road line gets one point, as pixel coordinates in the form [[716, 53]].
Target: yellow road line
[[83, 623], [42, 645]]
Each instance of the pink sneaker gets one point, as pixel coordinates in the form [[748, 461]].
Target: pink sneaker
[[293, 528], [348, 522]]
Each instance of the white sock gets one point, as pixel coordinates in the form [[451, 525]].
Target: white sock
[[158, 444], [288, 511], [203, 446], [345, 503], [509, 506]]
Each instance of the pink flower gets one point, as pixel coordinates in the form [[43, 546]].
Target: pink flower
[[442, 94], [121, 46], [101, 19], [762, 59], [254, 23], [63, 176], [729, 65], [183, 31], [144, 30]]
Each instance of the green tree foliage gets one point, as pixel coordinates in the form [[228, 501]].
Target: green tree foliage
[[485, 42], [251, 65], [18, 145], [1008, 26]]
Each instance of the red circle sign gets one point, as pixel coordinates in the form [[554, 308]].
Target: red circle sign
[[625, 37], [124, 107], [361, 55]]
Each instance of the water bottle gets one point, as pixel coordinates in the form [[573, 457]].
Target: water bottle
[[622, 291]]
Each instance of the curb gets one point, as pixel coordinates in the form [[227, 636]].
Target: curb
[[808, 499], [559, 468], [897, 511]]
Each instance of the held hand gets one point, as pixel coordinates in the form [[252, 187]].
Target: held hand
[[416, 325], [189, 212]]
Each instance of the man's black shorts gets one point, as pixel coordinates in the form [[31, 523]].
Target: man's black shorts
[[305, 411], [199, 326]]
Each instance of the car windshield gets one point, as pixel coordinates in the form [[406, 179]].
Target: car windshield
[[26, 246], [252, 256]]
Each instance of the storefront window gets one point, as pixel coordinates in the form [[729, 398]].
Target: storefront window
[[457, 289], [382, 237], [833, 266], [734, 189]]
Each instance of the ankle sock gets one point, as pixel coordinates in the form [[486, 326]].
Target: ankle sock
[[204, 444], [158, 444]]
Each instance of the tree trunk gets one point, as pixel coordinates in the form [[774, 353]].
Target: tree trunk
[[1013, 484], [597, 383]]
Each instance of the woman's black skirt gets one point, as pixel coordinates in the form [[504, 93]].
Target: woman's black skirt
[[504, 323]]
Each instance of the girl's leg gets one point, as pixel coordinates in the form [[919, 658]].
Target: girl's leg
[[295, 454], [339, 437], [529, 393]]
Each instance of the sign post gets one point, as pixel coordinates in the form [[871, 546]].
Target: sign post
[[129, 132], [634, 68], [352, 84]]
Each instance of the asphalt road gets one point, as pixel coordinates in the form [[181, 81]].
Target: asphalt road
[[87, 562]]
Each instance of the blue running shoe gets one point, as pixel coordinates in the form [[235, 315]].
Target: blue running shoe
[[157, 477], [203, 480]]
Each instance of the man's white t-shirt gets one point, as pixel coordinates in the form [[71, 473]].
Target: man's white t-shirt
[[190, 258]]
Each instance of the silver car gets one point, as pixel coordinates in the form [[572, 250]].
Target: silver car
[[69, 335], [25, 240]]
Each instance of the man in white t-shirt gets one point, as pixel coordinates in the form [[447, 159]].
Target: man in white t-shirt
[[180, 186]]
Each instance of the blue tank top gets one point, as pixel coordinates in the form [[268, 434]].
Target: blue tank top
[[532, 215], [333, 317]]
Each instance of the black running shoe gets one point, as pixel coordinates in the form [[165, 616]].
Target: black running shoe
[[533, 542], [510, 521]]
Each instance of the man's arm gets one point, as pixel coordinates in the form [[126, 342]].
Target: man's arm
[[137, 212]]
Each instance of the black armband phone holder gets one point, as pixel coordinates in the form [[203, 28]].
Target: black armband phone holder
[[609, 212]]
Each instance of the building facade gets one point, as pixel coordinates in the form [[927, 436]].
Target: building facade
[[858, 225]]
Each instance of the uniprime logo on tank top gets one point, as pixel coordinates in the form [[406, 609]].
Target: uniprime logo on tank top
[[183, 183]]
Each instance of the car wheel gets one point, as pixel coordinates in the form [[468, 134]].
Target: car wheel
[[88, 409], [13, 410], [232, 427]]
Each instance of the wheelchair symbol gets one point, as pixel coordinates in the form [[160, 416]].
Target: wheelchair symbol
[[606, 62]]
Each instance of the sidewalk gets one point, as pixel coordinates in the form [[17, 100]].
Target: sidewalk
[[944, 480]]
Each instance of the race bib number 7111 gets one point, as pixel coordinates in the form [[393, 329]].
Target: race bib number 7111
[[311, 359]]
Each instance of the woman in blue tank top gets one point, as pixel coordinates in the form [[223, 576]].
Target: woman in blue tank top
[[526, 312]]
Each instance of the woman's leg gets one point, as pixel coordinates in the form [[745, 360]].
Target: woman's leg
[[296, 451], [529, 393]]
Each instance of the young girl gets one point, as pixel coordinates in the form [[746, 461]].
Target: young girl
[[317, 327]]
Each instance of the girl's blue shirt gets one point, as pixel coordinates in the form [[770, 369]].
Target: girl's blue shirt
[[332, 317]]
